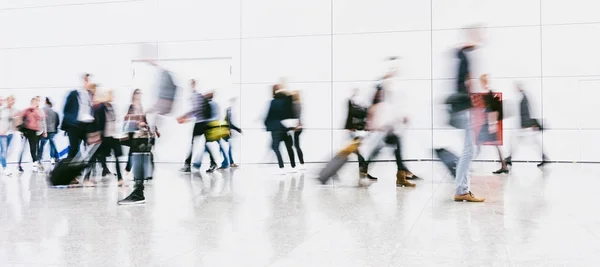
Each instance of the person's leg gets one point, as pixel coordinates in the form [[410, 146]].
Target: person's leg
[[42, 144], [297, 146], [128, 165], [287, 139], [33, 145], [53, 150], [24, 143], [3, 150], [225, 162], [231, 162], [402, 172], [276, 139], [464, 162], [118, 167], [198, 130], [74, 142], [137, 196]]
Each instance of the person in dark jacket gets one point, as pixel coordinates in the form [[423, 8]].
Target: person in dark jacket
[[52, 122], [355, 122], [280, 109], [529, 126], [78, 115], [297, 114]]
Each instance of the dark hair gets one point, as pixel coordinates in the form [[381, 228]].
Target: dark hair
[[48, 102]]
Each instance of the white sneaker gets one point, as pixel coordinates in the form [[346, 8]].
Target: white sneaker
[[52, 161], [302, 167], [280, 171]]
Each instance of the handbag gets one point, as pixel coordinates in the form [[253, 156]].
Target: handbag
[[217, 130]]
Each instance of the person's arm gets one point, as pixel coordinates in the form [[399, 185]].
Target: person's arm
[[57, 120], [197, 106], [44, 128]]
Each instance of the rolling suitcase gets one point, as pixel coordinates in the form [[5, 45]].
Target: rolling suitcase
[[338, 161], [66, 170], [448, 158]]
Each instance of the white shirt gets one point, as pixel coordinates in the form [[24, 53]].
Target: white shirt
[[6, 121], [85, 106], [391, 112]]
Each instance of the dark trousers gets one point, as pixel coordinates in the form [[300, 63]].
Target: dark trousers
[[77, 134], [128, 165], [297, 146], [199, 129], [278, 137], [53, 150], [393, 141], [34, 143]]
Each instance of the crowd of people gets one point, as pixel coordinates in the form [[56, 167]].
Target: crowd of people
[[88, 119]]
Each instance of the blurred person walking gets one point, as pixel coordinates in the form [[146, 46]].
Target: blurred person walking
[[135, 115], [52, 122], [530, 129], [78, 115], [355, 124], [162, 107], [32, 125], [386, 122], [297, 114], [460, 105], [105, 125], [489, 130], [201, 114], [231, 126], [280, 109], [7, 113], [214, 117]]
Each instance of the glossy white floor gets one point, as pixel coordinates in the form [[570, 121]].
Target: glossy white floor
[[249, 217]]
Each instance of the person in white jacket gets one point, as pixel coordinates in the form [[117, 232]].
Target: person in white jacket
[[386, 122]]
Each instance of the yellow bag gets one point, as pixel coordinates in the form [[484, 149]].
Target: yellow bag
[[217, 130]]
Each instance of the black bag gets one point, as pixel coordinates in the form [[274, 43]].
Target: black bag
[[66, 170], [358, 116], [448, 158]]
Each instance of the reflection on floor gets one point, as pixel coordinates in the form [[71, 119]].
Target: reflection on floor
[[250, 217]]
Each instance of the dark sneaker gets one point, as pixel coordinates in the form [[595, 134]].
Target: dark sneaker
[[105, 172], [21, 169], [501, 171], [211, 169], [186, 169], [508, 161], [136, 197]]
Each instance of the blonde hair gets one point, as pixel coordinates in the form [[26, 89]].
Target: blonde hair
[[103, 95]]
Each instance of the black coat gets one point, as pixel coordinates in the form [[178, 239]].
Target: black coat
[[279, 109]]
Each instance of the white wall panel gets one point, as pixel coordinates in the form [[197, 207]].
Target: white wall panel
[[217, 50], [297, 58], [561, 103], [198, 19], [507, 52], [574, 11], [360, 57], [570, 49], [77, 25], [463, 13], [357, 16], [587, 104], [268, 18], [63, 66], [562, 145], [50, 3], [590, 145]]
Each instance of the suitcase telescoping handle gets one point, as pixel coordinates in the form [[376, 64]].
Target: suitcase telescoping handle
[[86, 154]]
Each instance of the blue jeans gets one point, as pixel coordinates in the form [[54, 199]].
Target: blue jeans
[[4, 144], [53, 151], [466, 158]]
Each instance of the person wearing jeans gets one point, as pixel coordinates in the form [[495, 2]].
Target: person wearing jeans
[[52, 122], [461, 111], [6, 130], [466, 158]]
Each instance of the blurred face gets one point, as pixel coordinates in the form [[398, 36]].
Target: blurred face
[[475, 35], [10, 101], [137, 95], [1, 101], [193, 84], [35, 102], [484, 81]]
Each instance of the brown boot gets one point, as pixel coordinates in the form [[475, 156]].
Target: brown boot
[[401, 180], [469, 197]]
